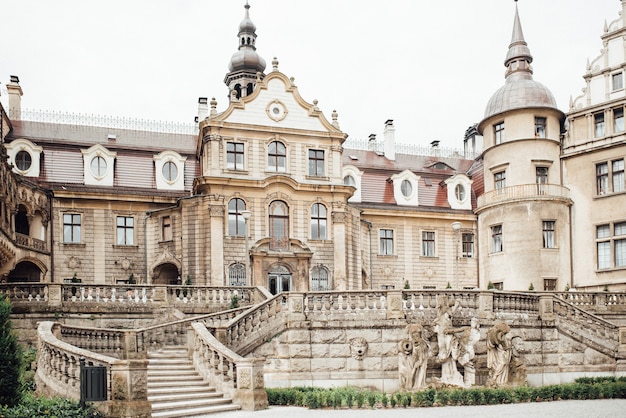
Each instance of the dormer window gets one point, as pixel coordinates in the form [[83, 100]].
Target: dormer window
[[459, 192], [98, 166], [406, 188], [458, 187], [23, 160], [25, 157], [169, 170]]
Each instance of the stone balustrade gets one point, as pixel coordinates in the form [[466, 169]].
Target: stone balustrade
[[345, 302], [262, 321], [111, 342], [58, 373], [238, 377], [515, 303]]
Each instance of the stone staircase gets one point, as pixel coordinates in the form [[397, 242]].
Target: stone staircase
[[176, 390]]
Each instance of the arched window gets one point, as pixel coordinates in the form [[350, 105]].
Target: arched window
[[279, 225], [319, 279], [237, 275], [236, 223], [349, 181], [277, 157], [22, 226], [318, 221]]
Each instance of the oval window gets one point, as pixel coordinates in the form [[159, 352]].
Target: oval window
[[98, 166], [407, 188], [23, 160], [170, 171], [459, 191]]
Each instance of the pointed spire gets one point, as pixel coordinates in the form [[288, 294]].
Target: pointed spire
[[518, 58]]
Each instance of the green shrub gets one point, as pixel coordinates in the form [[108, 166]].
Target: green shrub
[[360, 398], [384, 400], [34, 406], [371, 399], [9, 357], [350, 399]]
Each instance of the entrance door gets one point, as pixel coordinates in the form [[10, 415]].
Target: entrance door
[[278, 283]]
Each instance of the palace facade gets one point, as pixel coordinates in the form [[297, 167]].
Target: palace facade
[[270, 192]]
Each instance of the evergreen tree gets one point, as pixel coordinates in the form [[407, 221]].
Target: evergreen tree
[[9, 357]]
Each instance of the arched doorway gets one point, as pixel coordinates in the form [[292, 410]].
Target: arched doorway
[[25, 271], [22, 225], [166, 273], [279, 279]]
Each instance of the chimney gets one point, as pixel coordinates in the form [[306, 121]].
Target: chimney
[[435, 148], [371, 144], [15, 98], [203, 108], [390, 140]]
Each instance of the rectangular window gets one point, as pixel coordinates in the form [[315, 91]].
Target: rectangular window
[[496, 238], [499, 180], [598, 122], [468, 245], [549, 285], [386, 242], [540, 127], [617, 168], [618, 119], [618, 81], [166, 228], [316, 162], [498, 133], [125, 230], [71, 228], [603, 234], [498, 285], [234, 156], [548, 234], [620, 244], [602, 178], [428, 244]]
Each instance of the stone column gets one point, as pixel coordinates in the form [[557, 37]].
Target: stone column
[[216, 246], [250, 392], [339, 240]]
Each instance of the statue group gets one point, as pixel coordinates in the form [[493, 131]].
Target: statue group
[[451, 347]]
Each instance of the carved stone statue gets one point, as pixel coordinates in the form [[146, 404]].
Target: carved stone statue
[[413, 358], [517, 368], [448, 342], [358, 347], [467, 340], [499, 353]]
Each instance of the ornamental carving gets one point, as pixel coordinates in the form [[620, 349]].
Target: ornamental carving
[[339, 217], [358, 348], [215, 210], [244, 378], [73, 262], [259, 382]]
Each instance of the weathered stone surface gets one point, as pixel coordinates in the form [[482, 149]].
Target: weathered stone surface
[[328, 336], [593, 357], [300, 365], [569, 359], [327, 364], [298, 336], [339, 350], [300, 350], [321, 350]]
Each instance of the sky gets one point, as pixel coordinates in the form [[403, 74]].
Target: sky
[[431, 66]]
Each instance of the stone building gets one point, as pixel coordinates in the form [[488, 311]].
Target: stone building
[[269, 192]]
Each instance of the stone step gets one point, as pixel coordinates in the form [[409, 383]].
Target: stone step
[[164, 388], [169, 372], [194, 412], [170, 396]]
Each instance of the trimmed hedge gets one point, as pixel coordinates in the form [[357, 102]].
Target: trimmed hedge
[[349, 397], [34, 406]]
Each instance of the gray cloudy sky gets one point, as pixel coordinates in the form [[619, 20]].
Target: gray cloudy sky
[[429, 65]]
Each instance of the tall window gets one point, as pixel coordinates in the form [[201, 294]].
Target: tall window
[[618, 81], [617, 168], [618, 119], [602, 178], [125, 230], [386, 242], [237, 275], [496, 239], [540, 127], [498, 132], [428, 243], [548, 234], [459, 192], [541, 174], [71, 228], [236, 222], [499, 180], [277, 157], [316, 162], [598, 122], [319, 279], [468, 245], [279, 225], [23, 160], [318, 221], [234, 156], [166, 228], [611, 248]]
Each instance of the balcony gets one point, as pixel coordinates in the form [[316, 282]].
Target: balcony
[[29, 242], [524, 192]]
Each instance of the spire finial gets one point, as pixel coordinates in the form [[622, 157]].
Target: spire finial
[[518, 58]]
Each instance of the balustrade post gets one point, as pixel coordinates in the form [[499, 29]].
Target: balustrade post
[[296, 307], [220, 334], [160, 296], [485, 305], [394, 304], [132, 350], [601, 301], [546, 307], [129, 390], [55, 295], [250, 392]]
